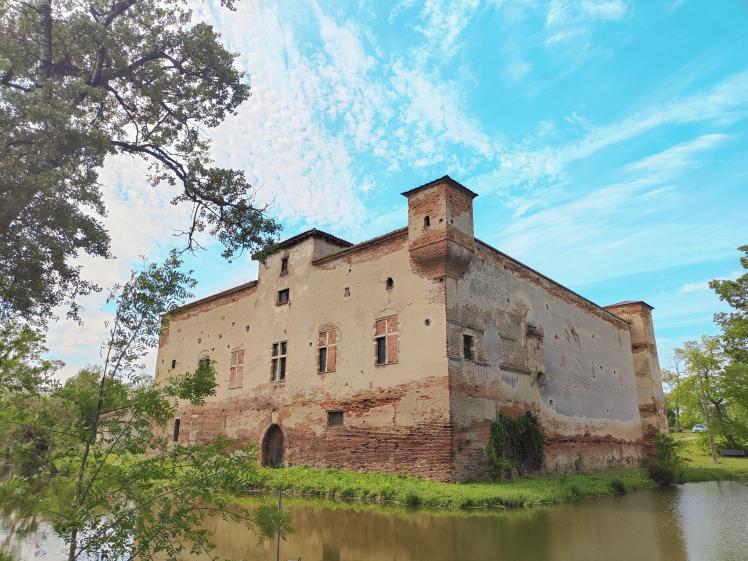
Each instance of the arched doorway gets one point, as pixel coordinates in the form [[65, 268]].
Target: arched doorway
[[272, 447]]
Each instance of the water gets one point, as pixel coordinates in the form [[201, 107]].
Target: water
[[694, 522]]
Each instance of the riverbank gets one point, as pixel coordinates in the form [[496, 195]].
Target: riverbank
[[383, 488]]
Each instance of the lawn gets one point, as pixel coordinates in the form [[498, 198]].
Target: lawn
[[377, 487]]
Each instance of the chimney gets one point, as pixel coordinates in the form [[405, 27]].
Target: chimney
[[440, 227]]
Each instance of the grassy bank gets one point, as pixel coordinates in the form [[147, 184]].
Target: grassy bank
[[376, 487]]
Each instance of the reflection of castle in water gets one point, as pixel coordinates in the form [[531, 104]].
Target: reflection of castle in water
[[636, 527]]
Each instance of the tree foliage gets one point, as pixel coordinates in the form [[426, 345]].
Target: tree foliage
[[114, 487], [515, 446], [81, 80], [713, 386]]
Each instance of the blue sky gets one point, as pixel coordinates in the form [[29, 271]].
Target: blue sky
[[606, 139]]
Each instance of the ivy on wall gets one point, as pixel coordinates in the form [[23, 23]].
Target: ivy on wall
[[515, 446]]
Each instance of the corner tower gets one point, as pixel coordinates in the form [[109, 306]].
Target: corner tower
[[440, 227], [646, 366]]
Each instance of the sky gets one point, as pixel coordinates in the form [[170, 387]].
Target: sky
[[606, 139]]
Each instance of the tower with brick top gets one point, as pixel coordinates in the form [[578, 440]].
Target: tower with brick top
[[440, 228], [646, 365]]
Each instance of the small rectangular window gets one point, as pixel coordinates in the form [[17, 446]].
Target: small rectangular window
[[381, 350], [174, 363], [334, 418], [282, 297], [467, 347], [284, 266], [175, 436], [278, 361], [327, 351], [387, 339]]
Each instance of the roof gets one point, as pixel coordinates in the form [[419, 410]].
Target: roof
[[214, 296], [628, 302], [549, 279], [362, 245], [444, 179], [313, 233]]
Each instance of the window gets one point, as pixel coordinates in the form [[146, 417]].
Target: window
[[284, 266], [327, 352], [347, 291], [334, 418], [174, 363], [390, 284], [175, 436], [278, 370], [426, 221], [236, 369], [203, 362], [467, 347], [282, 297], [387, 340]]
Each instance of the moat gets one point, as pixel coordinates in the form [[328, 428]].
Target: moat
[[694, 522]]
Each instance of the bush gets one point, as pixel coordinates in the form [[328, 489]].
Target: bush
[[665, 467], [413, 499], [515, 446], [575, 490], [618, 486]]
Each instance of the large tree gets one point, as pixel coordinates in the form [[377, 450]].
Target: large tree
[[734, 323], [114, 487], [81, 80]]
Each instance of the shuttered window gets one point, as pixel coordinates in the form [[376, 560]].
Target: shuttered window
[[387, 340], [327, 353], [236, 369]]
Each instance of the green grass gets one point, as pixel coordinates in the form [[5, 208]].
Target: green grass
[[339, 484], [700, 466]]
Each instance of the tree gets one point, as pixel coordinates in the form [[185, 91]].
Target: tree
[[674, 378], [734, 324], [121, 490], [83, 80]]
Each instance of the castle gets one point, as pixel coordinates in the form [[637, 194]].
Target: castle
[[396, 353]]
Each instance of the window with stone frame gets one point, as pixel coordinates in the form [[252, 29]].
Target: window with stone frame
[[236, 369], [327, 348], [284, 266], [386, 340], [278, 361]]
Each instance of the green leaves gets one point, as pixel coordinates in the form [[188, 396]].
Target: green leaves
[[515, 446], [91, 79], [119, 489]]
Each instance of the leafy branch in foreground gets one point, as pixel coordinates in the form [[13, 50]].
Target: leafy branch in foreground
[[119, 489], [81, 80]]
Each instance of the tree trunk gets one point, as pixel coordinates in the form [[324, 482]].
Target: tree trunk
[[722, 420], [44, 8], [707, 420]]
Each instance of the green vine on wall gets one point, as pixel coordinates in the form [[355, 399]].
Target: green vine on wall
[[515, 446]]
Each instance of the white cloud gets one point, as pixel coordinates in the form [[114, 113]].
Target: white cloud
[[579, 239], [700, 286], [529, 165], [569, 20]]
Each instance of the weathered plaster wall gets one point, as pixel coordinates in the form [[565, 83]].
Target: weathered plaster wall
[[539, 347], [396, 416]]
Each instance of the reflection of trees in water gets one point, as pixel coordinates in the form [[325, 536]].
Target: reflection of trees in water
[[635, 526]]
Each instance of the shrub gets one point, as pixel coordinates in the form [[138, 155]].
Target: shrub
[[618, 486], [575, 490], [665, 467], [413, 499], [515, 446]]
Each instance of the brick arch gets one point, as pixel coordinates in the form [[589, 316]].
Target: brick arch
[[273, 447]]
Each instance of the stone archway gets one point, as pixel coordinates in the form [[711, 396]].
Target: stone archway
[[272, 447]]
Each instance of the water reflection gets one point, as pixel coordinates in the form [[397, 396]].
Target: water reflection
[[696, 522]]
